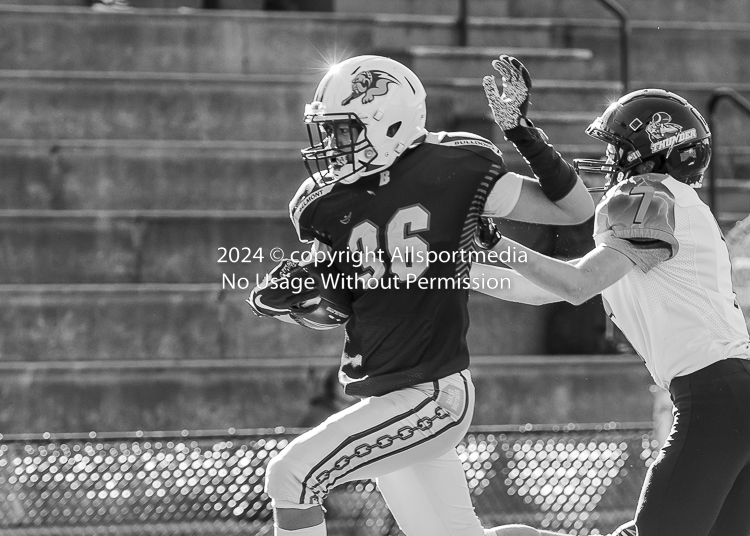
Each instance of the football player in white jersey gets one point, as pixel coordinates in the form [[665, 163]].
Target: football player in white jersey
[[664, 272]]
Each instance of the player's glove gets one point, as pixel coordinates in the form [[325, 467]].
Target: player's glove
[[509, 108], [284, 290], [487, 235]]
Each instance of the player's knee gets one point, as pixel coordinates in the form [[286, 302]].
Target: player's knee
[[282, 484], [512, 530]]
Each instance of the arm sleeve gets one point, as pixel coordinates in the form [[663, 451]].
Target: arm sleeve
[[503, 196], [646, 255], [556, 176]]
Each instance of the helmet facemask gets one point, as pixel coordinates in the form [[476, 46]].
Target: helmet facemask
[[339, 149], [616, 166]]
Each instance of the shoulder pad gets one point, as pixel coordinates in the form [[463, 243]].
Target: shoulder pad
[[640, 208], [467, 140], [310, 191]]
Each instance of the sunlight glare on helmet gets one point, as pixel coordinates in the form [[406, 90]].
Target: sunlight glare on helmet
[[608, 102], [330, 60]]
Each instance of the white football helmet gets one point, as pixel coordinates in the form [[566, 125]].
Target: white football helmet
[[366, 112]]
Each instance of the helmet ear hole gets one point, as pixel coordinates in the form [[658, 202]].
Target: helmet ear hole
[[393, 129], [656, 164]]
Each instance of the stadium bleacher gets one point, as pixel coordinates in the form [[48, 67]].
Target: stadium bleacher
[[135, 144]]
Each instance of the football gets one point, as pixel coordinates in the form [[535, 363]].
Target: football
[[329, 310]]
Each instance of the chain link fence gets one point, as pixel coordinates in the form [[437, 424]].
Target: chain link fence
[[578, 479]]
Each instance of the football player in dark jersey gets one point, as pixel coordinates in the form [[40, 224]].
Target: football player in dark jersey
[[396, 208], [664, 272]]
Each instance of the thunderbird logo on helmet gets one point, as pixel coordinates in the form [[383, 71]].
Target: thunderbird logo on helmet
[[661, 127], [368, 85], [665, 134]]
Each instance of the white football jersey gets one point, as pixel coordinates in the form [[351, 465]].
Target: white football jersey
[[681, 315]]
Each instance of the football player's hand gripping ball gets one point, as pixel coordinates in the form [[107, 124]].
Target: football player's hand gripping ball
[[513, 104], [276, 297]]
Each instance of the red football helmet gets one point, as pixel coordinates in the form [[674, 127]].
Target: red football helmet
[[651, 125]]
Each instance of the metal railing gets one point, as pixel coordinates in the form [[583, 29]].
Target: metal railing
[[462, 23], [719, 94], [577, 478], [614, 7]]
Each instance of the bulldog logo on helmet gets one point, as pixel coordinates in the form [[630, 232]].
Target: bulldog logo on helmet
[[368, 85]]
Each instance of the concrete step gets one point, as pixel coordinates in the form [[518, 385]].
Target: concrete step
[[186, 5], [459, 98], [727, 221], [42, 246], [564, 126], [733, 195], [684, 10], [125, 322], [179, 175], [302, 43], [159, 246], [46, 3], [93, 105], [147, 322], [214, 41], [181, 5], [150, 106], [659, 51], [176, 175], [177, 4], [139, 4], [638, 10], [551, 63], [125, 396], [732, 161], [148, 175], [731, 127], [123, 175]]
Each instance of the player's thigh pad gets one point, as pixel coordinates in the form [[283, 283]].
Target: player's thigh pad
[[376, 436]]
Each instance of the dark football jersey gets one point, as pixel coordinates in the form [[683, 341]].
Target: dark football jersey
[[400, 240]]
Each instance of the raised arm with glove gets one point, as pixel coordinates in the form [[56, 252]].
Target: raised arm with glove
[[557, 179]]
